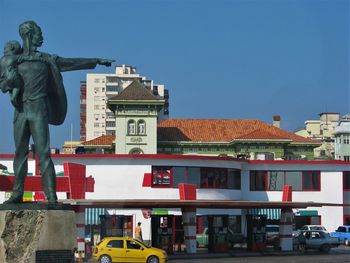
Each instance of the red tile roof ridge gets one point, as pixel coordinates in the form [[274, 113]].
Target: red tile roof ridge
[[223, 130], [102, 140]]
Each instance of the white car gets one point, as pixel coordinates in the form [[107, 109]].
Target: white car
[[313, 227]]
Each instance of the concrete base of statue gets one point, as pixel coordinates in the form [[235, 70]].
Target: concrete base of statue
[[33, 236]]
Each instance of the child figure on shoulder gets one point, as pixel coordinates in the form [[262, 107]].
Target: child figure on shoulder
[[10, 79]]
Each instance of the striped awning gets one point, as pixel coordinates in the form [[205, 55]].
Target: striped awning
[[270, 213], [92, 215]]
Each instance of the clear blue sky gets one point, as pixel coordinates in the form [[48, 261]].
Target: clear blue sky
[[240, 59]]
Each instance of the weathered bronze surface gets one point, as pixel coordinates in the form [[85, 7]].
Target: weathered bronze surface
[[34, 81]]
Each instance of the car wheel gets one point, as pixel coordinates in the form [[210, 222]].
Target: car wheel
[[325, 248], [346, 242], [105, 259], [152, 259]]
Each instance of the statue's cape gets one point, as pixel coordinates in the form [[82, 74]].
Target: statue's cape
[[56, 94]]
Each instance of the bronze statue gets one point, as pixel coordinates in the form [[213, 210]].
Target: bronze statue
[[34, 81]]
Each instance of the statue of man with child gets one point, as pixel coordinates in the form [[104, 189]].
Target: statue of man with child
[[34, 82]]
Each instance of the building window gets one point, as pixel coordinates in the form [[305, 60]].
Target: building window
[[234, 179], [110, 115], [96, 124], [141, 127], [131, 127], [110, 124], [213, 178], [346, 157], [114, 89], [311, 181], [346, 139], [99, 98], [162, 176], [257, 180], [346, 180], [110, 132], [275, 180]]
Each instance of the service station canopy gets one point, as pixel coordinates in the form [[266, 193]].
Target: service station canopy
[[192, 204]]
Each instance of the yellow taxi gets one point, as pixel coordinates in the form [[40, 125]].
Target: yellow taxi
[[126, 249]]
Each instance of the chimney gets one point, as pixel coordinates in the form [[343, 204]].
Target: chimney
[[276, 121]]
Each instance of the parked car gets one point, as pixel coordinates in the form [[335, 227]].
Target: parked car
[[343, 233], [313, 227], [126, 249], [309, 227], [316, 239], [272, 235]]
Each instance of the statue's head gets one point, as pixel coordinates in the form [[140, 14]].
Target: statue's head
[[30, 30]]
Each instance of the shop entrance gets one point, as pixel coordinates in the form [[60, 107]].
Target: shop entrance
[[116, 226], [162, 232]]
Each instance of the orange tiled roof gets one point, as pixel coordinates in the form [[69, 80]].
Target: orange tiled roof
[[102, 140], [223, 130]]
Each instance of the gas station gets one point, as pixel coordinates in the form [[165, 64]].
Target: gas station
[[164, 226]]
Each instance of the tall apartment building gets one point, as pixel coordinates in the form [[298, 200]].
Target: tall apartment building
[[95, 117], [322, 130]]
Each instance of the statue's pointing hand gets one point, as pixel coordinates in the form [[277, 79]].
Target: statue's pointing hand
[[105, 62]]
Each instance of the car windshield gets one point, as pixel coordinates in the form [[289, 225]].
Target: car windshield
[[316, 228], [148, 246]]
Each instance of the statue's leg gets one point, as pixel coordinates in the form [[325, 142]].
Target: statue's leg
[[21, 134], [39, 128]]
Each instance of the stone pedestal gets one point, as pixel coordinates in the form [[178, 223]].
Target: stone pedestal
[[27, 235]]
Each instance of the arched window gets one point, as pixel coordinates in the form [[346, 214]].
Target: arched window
[[131, 127], [141, 127], [136, 151]]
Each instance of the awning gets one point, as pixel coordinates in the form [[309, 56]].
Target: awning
[[271, 213], [307, 212], [92, 215]]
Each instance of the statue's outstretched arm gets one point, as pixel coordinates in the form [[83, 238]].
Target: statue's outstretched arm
[[69, 64]]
